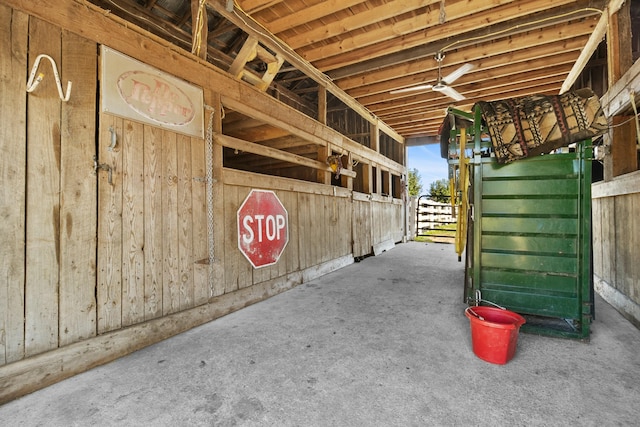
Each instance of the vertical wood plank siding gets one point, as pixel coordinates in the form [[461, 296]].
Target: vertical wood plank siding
[[78, 193], [43, 198], [13, 145], [96, 264], [616, 238]]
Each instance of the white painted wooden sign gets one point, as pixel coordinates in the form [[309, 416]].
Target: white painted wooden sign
[[137, 91]]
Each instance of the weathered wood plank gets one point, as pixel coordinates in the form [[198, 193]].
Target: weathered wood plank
[[617, 98], [247, 179], [216, 269], [608, 222], [626, 244], [245, 269], [596, 235], [43, 198], [345, 214], [199, 217], [170, 268], [303, 229], [618, 186], [633, 245], [185, 222], [230, 254], [329, 228], [238, 270], [78, 187], [361, 227], [286, 259], [313, 241], [14, 27], [132, 148], [153, 271], [109, 264]]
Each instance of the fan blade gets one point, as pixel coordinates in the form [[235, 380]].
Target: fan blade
[[451, 93], [464, 69], [411, 89]]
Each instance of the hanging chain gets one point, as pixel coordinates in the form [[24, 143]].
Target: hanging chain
[[209, 177]]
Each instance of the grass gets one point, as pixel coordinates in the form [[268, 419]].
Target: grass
[[448, 230]]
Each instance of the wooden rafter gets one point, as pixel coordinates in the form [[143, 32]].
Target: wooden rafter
[[254, 30], [359, 51]]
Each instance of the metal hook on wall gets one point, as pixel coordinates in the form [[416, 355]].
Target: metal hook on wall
[[34, 82]]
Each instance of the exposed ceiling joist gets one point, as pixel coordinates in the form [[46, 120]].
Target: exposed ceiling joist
[[360, 51]]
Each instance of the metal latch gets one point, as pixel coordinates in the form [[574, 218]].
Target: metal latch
[[103, 166]]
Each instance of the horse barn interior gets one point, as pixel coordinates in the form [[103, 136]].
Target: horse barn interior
[[136, 133]]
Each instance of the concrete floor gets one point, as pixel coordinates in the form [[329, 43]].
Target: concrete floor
[[383, 342]]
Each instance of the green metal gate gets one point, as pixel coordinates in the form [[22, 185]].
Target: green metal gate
[[529, 235]]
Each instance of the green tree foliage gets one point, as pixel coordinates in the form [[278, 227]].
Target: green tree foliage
[[415, 185], [439, 191]]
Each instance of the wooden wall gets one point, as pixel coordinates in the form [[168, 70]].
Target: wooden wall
[[616, 203], [95, 265], [13, 140], [48, 193], [152, 224], [616, 238]]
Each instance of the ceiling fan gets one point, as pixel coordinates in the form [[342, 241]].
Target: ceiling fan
[[442, 84]]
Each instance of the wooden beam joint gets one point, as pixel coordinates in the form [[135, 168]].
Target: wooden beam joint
[[250, 51]]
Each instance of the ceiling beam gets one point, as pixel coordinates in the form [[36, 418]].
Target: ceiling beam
[[526, 79], [421, 50], [311, 13], [489, 66], [373, 15], [254, 6]]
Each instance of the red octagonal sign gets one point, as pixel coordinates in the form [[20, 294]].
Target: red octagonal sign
[[263, 228]]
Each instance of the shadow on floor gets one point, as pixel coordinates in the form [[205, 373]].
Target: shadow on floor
[[382, 342]]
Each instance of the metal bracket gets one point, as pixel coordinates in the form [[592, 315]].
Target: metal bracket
[[34, 81], [103, 166]]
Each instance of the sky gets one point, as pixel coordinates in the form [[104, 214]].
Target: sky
[[431, 167]]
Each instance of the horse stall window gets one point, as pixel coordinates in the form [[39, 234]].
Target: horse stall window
[[396, 187], [253, 145], [386, 183], [374, 173], [391, 148], [361, 181], [343, 119]]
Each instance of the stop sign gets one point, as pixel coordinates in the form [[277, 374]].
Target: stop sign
[[263, 228]]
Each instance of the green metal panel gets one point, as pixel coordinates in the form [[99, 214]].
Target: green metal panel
[[533, 238], [540, 245], [534, 206], [529, 247]]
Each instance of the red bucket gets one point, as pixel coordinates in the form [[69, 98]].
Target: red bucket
[[494, 333]]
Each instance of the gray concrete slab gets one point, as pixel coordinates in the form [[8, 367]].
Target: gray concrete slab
[[383, 342]]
